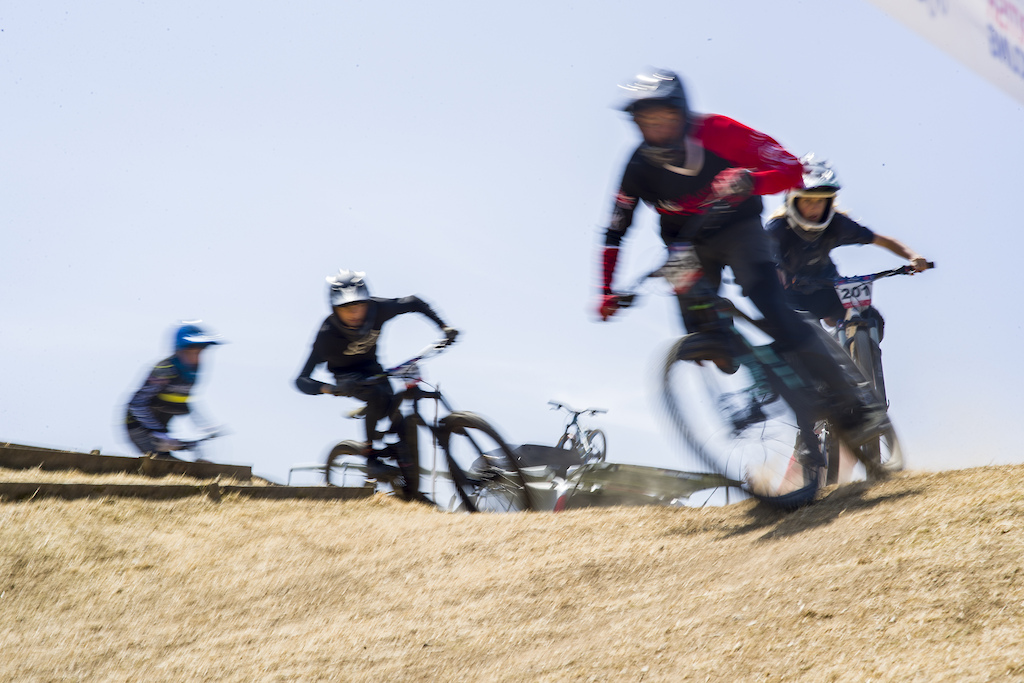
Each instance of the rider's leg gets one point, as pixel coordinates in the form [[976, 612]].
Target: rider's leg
[[746, 248], [378, 396], [144, 440]]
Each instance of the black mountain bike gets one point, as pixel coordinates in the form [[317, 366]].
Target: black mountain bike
[[480, 465], [859, 334], [744, 409]]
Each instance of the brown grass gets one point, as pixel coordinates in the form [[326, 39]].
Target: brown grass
[[916, 579], [41, 476]]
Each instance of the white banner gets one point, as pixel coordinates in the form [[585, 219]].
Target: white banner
[[986, 35]]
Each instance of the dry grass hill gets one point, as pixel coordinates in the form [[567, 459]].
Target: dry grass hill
[[920, 578]]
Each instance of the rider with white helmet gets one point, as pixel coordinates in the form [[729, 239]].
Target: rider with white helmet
[[807, 228], [347, 343]]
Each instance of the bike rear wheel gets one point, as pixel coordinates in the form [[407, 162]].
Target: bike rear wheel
[[741, 426], [339, 466], [484, 470], [598, 450]]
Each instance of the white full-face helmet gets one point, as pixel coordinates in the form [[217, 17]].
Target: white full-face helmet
[[820, 182], [347, 287]]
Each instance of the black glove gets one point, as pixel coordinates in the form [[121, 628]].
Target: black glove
[[346, 384], [450, 333], [733, 185]]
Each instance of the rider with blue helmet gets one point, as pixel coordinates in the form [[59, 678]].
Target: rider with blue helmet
[[166, 393]]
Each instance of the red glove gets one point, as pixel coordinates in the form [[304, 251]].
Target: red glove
[[732, 185], [609, 258], [607, 305]]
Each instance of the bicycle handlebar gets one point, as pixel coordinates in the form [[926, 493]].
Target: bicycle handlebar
[[871, 277], [902, 270], [188, 445], [428, 352], [555, 405]]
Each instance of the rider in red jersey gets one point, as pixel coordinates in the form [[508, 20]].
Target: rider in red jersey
[[685, 163]]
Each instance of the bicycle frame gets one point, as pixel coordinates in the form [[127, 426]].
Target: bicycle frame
[[574, 433], [487, 473]]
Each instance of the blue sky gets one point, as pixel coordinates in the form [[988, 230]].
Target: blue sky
[[217, 160]]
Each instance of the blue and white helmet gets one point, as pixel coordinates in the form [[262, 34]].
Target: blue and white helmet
[[347, 287], [820, 182], [190, 334]]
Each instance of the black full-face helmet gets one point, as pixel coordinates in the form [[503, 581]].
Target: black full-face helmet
[[347, 287], [657, 87]]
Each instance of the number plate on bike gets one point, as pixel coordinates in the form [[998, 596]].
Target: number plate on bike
[[683, 268], [854, 292]]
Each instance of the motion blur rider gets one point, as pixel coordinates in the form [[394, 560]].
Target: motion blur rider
[[347, 343], [807, 228], [688, 162], [166, 393]]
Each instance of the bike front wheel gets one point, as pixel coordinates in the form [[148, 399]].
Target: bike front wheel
[[741, 426], [884, 452], [484, 470]]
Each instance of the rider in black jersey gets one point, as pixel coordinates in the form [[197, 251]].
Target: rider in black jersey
[[687, 162], [166, 393], [347, 343], [806, 230]]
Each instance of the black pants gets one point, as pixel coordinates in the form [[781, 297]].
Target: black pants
[[745, 247], [378, 396]]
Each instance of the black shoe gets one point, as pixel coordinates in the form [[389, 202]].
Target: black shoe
[[711, 346], [375, 469], [871, 423]]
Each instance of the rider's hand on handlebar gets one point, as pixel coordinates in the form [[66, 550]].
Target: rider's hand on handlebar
[[608, 304], [450, 334], [346, 384], [733, 185], [163, 442], [920, 263]]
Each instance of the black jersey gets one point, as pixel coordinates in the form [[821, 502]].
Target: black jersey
[[677, 192], [804, 262], [165, 394], [355, 350]]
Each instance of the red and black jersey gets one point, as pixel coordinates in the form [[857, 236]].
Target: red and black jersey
[[676, 191]]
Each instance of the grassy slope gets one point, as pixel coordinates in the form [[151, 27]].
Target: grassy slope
[[919, 578]]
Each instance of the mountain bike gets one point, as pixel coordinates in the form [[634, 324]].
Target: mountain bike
[[480, 466], [590, 444], [860, 333], [745, 409]]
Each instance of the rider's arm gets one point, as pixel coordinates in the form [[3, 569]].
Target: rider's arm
[[900, 249], [626, 200], [414, 304], [139, 406], [772, 168], [305, 382]]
